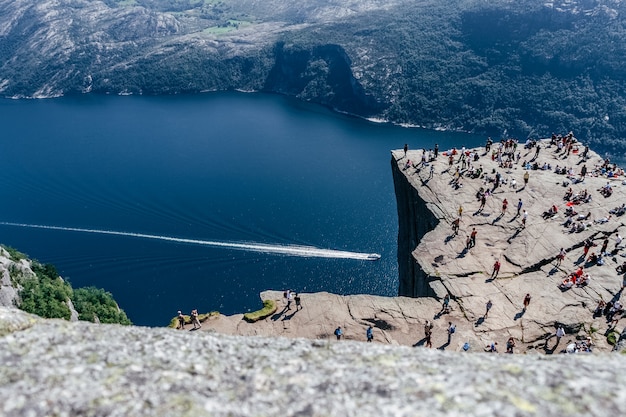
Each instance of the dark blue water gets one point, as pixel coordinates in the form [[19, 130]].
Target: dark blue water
[[224, 166]]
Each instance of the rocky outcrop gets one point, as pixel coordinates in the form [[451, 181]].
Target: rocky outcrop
[[9, 291], [55, 367], [439, 262]]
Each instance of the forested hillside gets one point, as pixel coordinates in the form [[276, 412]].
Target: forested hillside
[[499, 68]]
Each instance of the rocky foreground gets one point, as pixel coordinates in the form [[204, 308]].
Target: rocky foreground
[[434, 261], [62, 368]]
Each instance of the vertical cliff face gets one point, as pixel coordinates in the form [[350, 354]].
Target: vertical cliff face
[[322, 74], [414, 221]]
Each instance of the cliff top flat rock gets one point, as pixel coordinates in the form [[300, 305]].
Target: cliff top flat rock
[[527, 252]]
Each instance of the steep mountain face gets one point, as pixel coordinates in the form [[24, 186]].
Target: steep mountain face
[[498, 68]]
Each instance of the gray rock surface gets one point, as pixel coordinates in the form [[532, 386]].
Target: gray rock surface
[[395, 321], [8, 293], [54, 367]]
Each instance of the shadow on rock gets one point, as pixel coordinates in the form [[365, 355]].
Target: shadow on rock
[[420, 343], [289, 316]]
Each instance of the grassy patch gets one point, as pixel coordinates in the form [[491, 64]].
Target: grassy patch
[[201, 317], [269, 308], [612, 338]]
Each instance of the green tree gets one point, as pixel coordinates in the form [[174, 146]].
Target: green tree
[[91, 302]]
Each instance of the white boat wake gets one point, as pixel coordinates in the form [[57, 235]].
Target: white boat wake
[[289, 250]]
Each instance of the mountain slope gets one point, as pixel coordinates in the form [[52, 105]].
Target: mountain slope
[[495, 68]]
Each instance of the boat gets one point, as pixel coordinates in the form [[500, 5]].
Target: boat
[[373, 257]]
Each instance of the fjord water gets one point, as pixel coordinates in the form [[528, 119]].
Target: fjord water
[[222, 167]]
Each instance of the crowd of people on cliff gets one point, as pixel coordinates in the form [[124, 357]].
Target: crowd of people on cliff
[[465, 165]]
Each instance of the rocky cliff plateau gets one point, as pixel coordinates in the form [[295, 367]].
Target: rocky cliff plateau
[[434, 262]]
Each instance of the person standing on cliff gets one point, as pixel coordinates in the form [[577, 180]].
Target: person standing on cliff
[[473, 237], [496, 269], [487, 308], [526, 177], [338, 333], [505, 204], [559, 334], [455, 226], [605, 244], [524, 218], [428, 332], [526, 302], [369, 333], [519, 206], [483, 201], [561, 256], [181, 320], [436, 150], [460, 211], [194, 319], [451, 331], [406, 148], [298, 301], [445, 307]]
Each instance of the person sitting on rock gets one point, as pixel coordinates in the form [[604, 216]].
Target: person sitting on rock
[[493, 347], [550, 212], [621, 269], [593, 258], [618, 211], [606, 190], [583, 280], [615, 309], [568, 282], [599, 309], [568, 222], [568, 194], [510, 344], [600, 260]]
